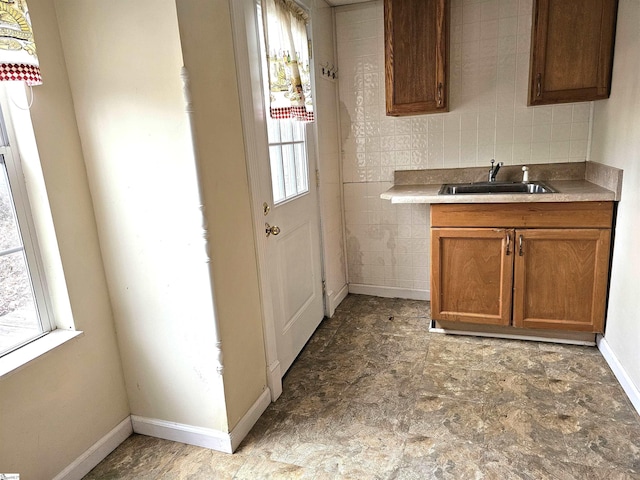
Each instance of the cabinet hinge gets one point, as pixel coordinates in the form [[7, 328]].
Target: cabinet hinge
[[324, 287], [317, 178]]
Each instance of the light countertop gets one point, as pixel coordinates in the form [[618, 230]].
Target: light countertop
[[574, 182], [568, 191]]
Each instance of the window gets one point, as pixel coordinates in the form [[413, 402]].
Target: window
[[24, 312], [288, 158], [286, 136]]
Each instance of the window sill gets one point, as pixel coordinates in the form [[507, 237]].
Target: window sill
[[14, 361]]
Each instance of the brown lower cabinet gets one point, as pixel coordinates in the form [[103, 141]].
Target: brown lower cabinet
[[531, 274]]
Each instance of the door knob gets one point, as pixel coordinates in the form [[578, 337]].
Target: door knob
[[269, 230]]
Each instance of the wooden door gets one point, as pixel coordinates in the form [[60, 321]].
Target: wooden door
[[560, 279], [571, 50], [416, 51], [472, 274]]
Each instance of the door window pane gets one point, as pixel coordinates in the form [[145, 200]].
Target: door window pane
[[302, 175], [277, 173], [289, 161]]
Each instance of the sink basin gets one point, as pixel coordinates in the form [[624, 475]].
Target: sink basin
[[494, 187]]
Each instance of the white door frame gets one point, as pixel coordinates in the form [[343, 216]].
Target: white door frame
[[252, 104]]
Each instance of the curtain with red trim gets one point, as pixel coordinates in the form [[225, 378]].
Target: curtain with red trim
[[288, 61], [18, 59]]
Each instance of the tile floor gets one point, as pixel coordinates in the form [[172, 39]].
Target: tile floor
[[375, 396]]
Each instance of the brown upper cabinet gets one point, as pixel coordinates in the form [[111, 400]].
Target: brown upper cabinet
[[571, 50], [416, 55]]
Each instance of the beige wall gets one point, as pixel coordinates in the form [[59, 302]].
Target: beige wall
[[616, 142], [55, 408], [124, 64], [205, 31]]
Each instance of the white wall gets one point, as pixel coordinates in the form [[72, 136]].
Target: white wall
[[55, 408], [388, 245], [326, 106], [124, 62], [616, 142], [207, 48]]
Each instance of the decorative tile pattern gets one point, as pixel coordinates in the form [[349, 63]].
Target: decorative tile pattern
[[374, 395]]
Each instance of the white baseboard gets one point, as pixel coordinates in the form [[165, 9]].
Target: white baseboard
[[179, 432], [97, 452], [247, 422], [334, 299], [200, 436], [389, 292], [618, 370], [274, 380]]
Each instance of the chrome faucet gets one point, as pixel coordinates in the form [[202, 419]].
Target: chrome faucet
[[494, 170]]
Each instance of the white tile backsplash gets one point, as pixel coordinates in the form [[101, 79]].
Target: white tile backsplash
[[489, 44]]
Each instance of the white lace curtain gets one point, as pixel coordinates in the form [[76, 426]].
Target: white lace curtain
[[287, 60]]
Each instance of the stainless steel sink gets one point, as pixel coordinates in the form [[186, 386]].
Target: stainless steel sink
[[494, 187]]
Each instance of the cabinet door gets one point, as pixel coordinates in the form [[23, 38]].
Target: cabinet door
[[571, 50], [472, 274], [560, 279], [415, 34]]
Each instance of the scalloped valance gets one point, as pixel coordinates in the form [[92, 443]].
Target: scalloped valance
[[18, 59]]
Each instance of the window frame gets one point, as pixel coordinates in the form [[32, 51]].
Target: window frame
[[24, 217]]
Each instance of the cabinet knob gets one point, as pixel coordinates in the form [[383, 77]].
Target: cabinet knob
[[539, 85]]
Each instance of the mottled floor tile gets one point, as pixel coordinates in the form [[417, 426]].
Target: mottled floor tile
[[269, 470], [426, 457], [196, 463], [577, 367], [369, 452], [501, 464], [318, 342], [585, 400], [576, 471], [567, 349], [390, 412], [139, 457], [374, 395], [497, 358], [526, 431], [604, 444], [412, 308], [403, 325], [447, 419], [458, 354], [452, 382], [366, 304], [523, 391]]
